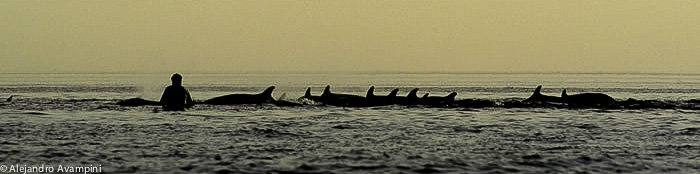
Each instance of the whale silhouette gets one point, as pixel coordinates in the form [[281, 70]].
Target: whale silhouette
[[438, 101], [410, 99], [538, 97], [375, 100], [233, 99], [137, 102], [587, 99], [336, 99]]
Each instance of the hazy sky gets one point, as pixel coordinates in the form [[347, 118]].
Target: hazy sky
[[659, 36]]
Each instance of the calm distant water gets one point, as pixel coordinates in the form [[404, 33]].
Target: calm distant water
[[72, 119]]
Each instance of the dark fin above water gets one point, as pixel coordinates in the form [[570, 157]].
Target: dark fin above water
[[327, 91], [425, 95], [563, 94], [9, 99], [413, 93], [308, 92], [394, 92], [370, 92], [452, 95], [538, 90], [268, 91], [537, 96]]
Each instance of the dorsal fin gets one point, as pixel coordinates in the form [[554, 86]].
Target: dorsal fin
[[452, 95], [413, 93], [268, 91], [327, 91], [538, 90], [394, 92], [425, 95], [9, 99], [563, 94], [308, 92], [370, 92]]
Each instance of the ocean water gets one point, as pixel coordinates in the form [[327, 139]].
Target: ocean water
[[73, 120]]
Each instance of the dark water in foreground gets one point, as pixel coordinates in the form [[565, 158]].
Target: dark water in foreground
[[73, 120]]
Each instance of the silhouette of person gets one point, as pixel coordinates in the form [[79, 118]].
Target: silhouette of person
[[176, 97]]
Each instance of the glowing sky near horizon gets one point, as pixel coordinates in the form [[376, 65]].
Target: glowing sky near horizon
[[337, 36]]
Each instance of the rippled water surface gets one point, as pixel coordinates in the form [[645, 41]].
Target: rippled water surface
[[72, 119]]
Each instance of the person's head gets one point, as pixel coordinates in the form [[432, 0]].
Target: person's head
[[177, 79]]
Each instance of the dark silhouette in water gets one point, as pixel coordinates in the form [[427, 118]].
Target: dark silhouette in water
[[233, 99], [330, 98], [336, 99], [538, 97], [410, 99], [583, 100], [264, 97], [308, 96], [693, 101], [438, 101], [137, 102], [9, 100], [176, 97], [587, 99], [375, 100]]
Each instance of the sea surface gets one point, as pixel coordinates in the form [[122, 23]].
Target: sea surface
[[73, 120]]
